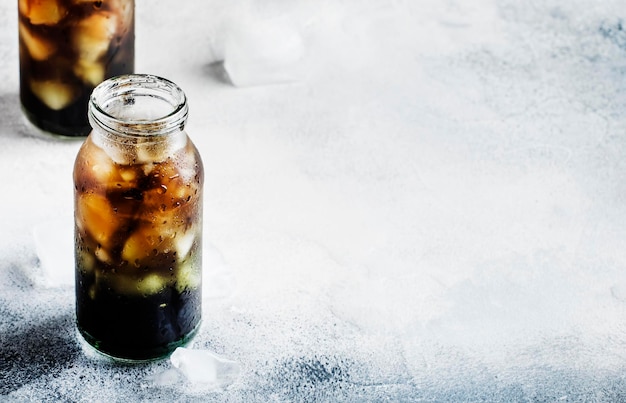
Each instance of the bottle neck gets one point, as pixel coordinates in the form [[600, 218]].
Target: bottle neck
[[138, 116]]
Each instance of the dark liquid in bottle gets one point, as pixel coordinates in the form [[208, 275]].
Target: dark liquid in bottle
[[67, 47], [136, 327], [138, 251]]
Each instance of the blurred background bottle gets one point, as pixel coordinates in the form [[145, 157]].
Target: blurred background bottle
[[67, 48]]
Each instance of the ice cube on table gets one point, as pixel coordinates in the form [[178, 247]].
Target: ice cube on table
[[54, 244], [263, 52], [218, 279], [205, 367]]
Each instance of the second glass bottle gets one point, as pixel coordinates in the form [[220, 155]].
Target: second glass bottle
[[67, 48]]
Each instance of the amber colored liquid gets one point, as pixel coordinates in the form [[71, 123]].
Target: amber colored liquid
[[138, 251]]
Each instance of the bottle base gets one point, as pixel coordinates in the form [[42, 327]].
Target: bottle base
[[94, 348], [43, 128]]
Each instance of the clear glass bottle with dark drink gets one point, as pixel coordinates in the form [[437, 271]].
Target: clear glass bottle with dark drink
[[138, 221], [67, 48]]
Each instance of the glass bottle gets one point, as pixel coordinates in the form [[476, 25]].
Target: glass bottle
[[67, 48], [138, 221]]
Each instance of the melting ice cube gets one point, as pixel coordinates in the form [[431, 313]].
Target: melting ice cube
[[38, 47], [55, 94], [218, 279], [55, 249], [205, 367], [262, 52], [42, 12]]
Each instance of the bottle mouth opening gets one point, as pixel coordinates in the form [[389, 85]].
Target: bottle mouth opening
[[138, 105]]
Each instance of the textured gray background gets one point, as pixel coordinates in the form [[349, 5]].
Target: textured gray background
[[435, 211]]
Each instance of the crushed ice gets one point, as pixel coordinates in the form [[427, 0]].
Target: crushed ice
[[203, 367], [259, 50], [264, 52]]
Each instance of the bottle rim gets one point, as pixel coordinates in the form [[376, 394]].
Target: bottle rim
[[106, 99]]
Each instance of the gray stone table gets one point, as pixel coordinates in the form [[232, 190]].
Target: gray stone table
[[418, 201]]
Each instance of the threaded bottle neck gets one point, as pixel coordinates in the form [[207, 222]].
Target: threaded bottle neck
[[138, 118], [138, 106]]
